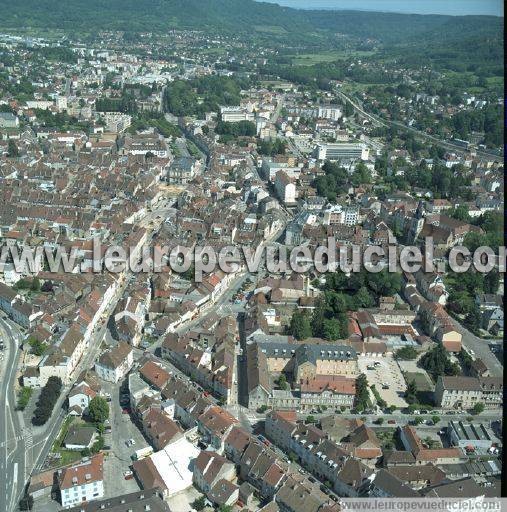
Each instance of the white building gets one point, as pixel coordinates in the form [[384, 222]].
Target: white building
[[342, 151], [332, 112], [115, 363], [82, 483], [285, 188], [236, 114]]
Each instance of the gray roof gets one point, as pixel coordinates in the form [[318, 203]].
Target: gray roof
[[308, 352], [136, 502]]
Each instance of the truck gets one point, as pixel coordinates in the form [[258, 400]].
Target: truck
[[142, 453]]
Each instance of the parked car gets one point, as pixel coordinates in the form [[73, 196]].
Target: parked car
[[128, 475], [391, 422], [125, 410]]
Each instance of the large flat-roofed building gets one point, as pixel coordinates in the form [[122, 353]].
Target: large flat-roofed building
[[465, 392], [342, 151], [236, 114], [170, 469], [475, 435]]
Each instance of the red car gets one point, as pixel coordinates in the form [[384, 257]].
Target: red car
[[391, 422], [125, 411]]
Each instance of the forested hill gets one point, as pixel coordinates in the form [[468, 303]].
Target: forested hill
[[237, 16]]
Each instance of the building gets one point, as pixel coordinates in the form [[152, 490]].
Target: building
[[170, 469], [332, 112], [342, 151], [140, 501], [464, 392], [474, 435], [285, 188], [82, 482], [114, 364], [8, 120], [236, 114], [182, 170]]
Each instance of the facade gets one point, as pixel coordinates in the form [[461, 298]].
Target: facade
[[115, 363], [182, 170], [82, 483], [465, 392], [236, 114], [8, 120], [342, 151]]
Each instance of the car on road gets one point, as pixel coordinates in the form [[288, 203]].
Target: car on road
[[392, 422], [125, 410]]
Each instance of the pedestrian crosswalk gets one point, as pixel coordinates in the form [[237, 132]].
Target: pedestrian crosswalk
[[26, 435]]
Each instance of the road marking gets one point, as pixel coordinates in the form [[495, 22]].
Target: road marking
[[15, 473]]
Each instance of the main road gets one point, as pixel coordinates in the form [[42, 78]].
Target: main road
[[14, 438]]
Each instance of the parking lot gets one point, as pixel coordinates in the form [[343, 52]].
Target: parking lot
[[386, 372], [119, 459]]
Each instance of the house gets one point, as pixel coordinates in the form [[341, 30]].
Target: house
[[78, 438], [114, 364], [384, 484], [464, 392], [154, 374], [159, 429], [79, 399], [82, 482], [209, 469], [139, 501], [215, 424]]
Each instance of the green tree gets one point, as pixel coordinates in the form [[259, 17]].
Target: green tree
[[478, 408], [411, 392], [199, 503], [98, 409], [362, 396], [310, 419], [12, 149], [435, 419], [436, 362], [406, 353], [282, 382], [300, 326]]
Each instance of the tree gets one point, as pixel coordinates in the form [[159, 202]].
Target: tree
[[26, 502], [478, 408], [435, 419], [491, 281], [380, 421], [361, 392], [98, 409], [199, 503], [411, 392], [47, 400], [282, 382], [310, 419], [406, 353], [436, 362], [12, 149], [300, 326]]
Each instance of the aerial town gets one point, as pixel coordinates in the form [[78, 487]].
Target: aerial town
[[248, 390]]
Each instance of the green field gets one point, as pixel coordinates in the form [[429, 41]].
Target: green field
[[309, 59]]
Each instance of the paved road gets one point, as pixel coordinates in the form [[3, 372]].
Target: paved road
[[13, 443], [480, 348]]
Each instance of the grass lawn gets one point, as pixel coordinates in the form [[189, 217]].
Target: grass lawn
[[309, 59], [66, 456]]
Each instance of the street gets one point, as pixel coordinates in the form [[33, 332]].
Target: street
[[14, 439]]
